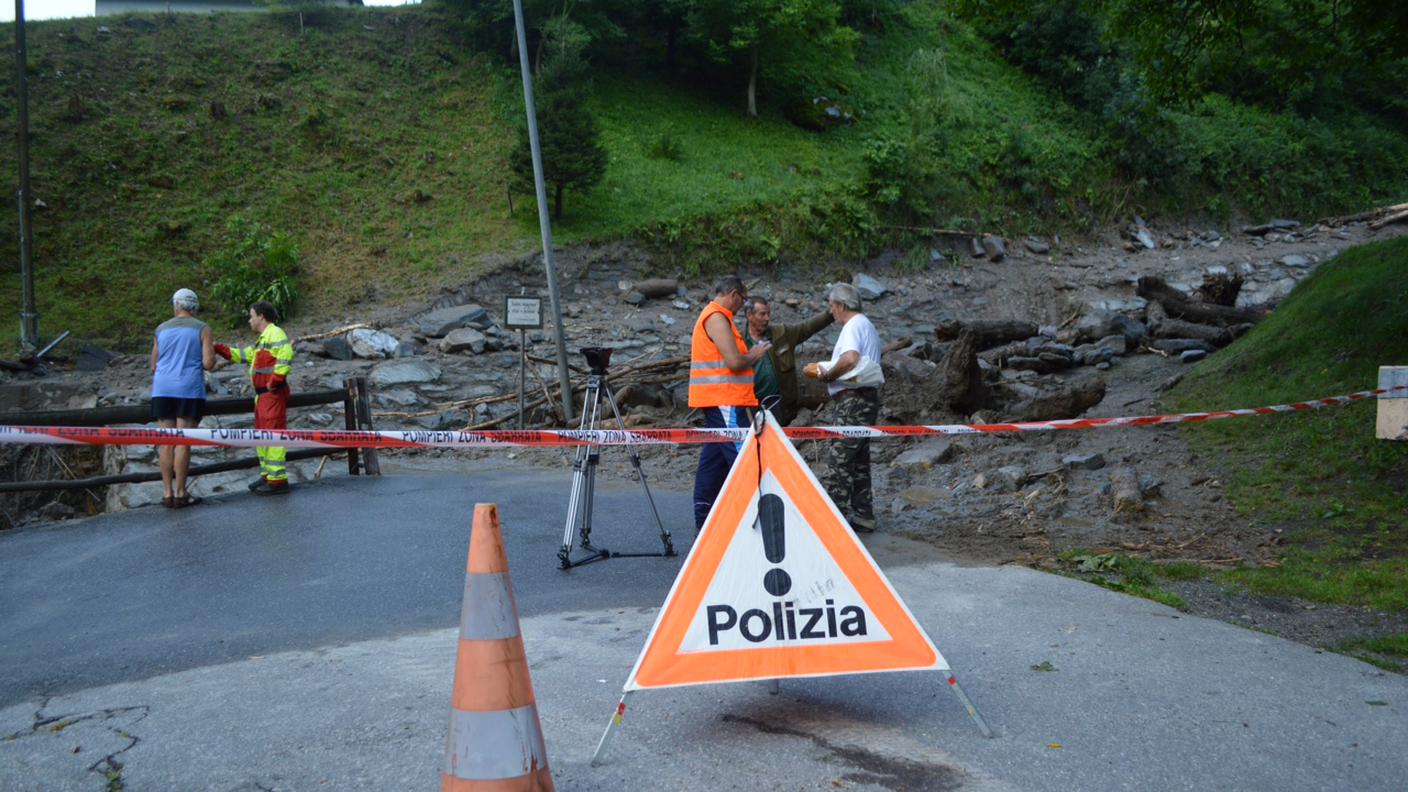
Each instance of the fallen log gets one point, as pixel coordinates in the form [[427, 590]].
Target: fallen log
[[989, 332], [1368, 214], [1177, 328], [1178, 305], [1042, 363], [999, 355], [1396, 217], [1176, 346]]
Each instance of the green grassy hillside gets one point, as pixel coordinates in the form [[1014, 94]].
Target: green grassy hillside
[[1338, 494], [335, 136], [378, 140]]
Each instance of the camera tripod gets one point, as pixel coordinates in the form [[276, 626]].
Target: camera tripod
[[584, 465]]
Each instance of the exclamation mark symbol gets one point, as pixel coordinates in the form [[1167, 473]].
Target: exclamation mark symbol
[[770, 514]]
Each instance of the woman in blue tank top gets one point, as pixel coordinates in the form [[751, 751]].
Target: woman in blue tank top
[[182, 351]]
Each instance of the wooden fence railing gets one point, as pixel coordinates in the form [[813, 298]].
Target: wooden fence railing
[[356, 407]]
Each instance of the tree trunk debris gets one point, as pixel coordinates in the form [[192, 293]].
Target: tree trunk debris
[[1180, 306]]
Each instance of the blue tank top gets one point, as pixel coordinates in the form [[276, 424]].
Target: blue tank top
[[179, 372]]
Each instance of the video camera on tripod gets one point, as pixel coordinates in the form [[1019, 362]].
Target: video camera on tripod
[[584, 465]]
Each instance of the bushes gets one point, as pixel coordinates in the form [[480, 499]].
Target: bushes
[[1262, 162], [255, 264]]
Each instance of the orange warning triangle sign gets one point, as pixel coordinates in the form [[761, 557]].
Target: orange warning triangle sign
[[777, 585]]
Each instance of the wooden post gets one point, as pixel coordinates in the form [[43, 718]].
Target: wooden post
[[349, 413], [370, 463]]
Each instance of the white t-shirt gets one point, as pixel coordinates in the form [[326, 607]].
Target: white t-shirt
[[858, 335]]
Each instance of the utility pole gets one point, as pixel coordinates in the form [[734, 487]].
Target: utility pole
[[544, 222], [29, 317]]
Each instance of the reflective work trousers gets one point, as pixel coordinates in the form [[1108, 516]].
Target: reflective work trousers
[[271, 412]]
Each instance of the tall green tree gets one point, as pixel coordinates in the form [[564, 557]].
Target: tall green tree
[[573, 156], [797, 40], [1261, 50], [1301, 54]]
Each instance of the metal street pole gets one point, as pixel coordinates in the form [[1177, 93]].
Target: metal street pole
[[544, 223], [29, 317]]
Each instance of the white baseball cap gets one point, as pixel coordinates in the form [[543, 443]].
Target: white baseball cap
[[185, 296]]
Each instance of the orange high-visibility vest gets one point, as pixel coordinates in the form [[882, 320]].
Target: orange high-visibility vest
[[711, 382]]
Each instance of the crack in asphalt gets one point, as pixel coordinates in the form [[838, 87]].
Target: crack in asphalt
[[108, 766], [899, 775]]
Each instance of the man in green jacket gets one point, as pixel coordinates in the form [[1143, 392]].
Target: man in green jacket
[[775, 374]]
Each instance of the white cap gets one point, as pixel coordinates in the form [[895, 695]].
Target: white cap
[[186, 299]]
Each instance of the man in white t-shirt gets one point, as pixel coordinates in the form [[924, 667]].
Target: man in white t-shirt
[[847, 476]]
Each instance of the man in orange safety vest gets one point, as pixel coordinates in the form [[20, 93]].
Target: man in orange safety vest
[[720, 386]]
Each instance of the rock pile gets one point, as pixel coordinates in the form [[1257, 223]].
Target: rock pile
[[450, 364]]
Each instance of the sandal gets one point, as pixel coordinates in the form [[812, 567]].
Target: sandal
[[185, 500], [168, 501]]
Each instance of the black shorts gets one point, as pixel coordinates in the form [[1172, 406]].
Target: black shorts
[[168, 408]]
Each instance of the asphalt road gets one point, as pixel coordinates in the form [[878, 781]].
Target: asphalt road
[[151, 591], [309, 643]]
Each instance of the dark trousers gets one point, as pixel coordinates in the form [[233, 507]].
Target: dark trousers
[[715, 459], [847, 477]]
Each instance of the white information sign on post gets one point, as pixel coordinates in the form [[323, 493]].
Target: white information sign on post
[[523, 313]]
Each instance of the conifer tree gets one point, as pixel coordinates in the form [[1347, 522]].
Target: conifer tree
[[573, 157]]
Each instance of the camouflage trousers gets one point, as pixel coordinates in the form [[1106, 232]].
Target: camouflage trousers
[[847, 476]]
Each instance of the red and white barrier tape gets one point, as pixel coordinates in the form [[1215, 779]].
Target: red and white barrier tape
[[305, 438]]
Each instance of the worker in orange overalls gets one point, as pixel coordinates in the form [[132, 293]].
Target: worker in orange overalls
[[721, 386], [270, 362]]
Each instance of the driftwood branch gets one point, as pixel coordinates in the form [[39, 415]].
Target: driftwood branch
[[339, 331], [1368, 214], [1396, 217]]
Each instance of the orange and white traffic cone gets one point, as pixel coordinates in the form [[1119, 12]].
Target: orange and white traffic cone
[[495, 742]]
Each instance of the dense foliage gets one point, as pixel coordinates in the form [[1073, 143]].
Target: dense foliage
[[384, 141]]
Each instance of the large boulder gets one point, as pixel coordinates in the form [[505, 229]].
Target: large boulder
[[910, 389], [926, 455], [338, 348], [373, 344], [1095, 325], [1050, 399], [93, 358], [657, 287], [463, 339], [404, 371], [437, 323], [45, 395], [869, 287]]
